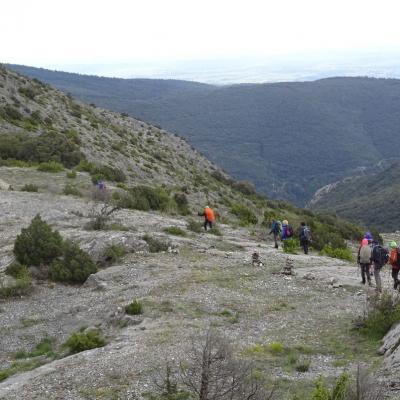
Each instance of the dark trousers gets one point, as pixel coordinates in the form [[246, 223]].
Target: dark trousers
[[304, 245], [207, 223], [395, 276], [365, 273], [276, 236]]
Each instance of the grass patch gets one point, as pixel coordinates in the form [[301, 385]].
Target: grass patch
[[81, 341], [382, 313], [194, 226], [155, 245], [291, 246], [214, 231], [50, 166], [44, 348], [30, 187], [341, 253], [71, 190], [19, 367], [21, 287], [245, 215], [113, 253], [175, 230], [134, 308]]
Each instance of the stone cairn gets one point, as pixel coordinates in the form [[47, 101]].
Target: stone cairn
[[255, 260], [288, 268]]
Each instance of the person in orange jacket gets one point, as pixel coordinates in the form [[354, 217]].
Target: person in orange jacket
[[394, 261], [209, 217]]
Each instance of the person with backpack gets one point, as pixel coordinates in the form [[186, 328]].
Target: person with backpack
[[209, 217], [364, 260], [276, 230], [287, 230], [379, 257], [394, 261], [304, 236]]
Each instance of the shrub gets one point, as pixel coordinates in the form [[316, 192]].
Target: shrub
[[148, 198], [71, 174], [155, 245], [81, 341], [276, 347], [50, 166], [383, 311], [29, 187], [182, 203], [343, 254], [194, 226], [104, 172], [113, 253], [214, 231], [175, 230], [21, 287], [38, 244], [291, 245], [16, 269], [134, 308], [43, 348], [71, 190], [244, 187], [302, 366], [245, 215], [74, 266]]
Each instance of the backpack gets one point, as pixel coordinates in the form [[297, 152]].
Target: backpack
[[277, 227], [365, 255], [380, 255], [305, 233], [289, 231]]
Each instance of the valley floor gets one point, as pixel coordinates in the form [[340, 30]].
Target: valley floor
[[209, 282]]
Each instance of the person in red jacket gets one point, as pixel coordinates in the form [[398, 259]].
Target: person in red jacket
[[394, 261], [209, 217]]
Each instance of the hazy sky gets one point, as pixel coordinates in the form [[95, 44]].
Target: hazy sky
[[60, 32]]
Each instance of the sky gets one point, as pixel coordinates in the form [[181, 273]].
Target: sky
[[57, 33]]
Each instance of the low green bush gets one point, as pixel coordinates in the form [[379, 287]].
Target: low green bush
[[71, 190], [156, 245], [21, 287], [38, 244], [74, 266], [214, 231], [245, 215], [174, 230], [291, 245], [383, 312], [81, 341], [113, 253], [341, 253], [134, 308], [16, 269], [50, 166], [44, 348], [194, 226], [182, 203], [71, 174], [30, 187]]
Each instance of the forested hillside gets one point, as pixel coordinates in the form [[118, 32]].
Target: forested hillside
[[290, 139], [372, 200]]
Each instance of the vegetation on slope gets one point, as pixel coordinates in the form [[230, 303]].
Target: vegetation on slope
[[290, 139]]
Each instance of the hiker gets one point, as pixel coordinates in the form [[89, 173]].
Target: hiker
[[379, 257], [276, 230], [304, 236], [394, 260], [364, 260], [287, 230], [209, 217], [101, 185]]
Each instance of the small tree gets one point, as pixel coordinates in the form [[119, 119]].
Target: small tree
[[75, 265], [38, 244]]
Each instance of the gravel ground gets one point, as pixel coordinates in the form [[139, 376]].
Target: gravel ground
[[210, 282]]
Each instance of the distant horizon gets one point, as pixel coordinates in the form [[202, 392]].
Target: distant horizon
[[298, 67]]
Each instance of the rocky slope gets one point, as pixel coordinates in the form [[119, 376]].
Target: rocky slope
[[204, 281], [289, 138]]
